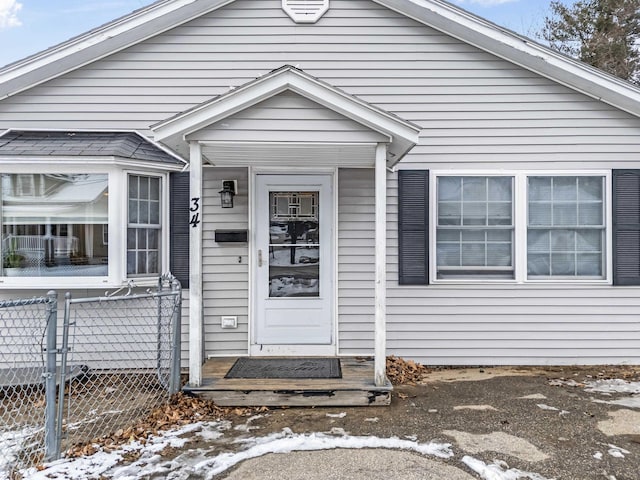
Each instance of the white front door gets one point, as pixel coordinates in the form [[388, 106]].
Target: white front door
[[293, 226]]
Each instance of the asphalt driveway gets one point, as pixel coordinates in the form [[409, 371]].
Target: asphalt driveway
[[560, 423]]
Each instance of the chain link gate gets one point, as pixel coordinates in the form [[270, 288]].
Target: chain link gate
[[74, 374], [121, 358]]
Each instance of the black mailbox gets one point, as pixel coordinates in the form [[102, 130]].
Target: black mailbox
[[237, 236]]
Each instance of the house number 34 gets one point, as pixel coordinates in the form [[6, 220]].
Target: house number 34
[[195, 212]]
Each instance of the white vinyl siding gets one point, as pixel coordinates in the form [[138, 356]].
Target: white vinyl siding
[[225, 266], [356, 261], [287, 117]]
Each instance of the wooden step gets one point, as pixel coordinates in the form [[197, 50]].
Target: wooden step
[[355, 388]]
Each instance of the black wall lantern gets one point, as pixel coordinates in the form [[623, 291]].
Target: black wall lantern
[[229, 190]]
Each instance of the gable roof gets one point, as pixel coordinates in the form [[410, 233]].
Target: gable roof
[[440, 15], [402, 135], [128, 145]]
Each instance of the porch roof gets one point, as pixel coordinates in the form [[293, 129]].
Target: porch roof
[[399, 135]]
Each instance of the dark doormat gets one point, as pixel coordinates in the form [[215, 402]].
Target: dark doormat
[[285, 368]]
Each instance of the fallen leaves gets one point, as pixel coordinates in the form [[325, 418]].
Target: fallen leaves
[[405, 372], [182, 409]]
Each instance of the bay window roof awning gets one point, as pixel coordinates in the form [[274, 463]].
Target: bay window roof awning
[[28, 145]]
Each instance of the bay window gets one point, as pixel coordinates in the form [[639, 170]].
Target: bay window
[[555, 225], [80, 228]]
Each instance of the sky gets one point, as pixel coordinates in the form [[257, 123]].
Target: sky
[[30, 26]]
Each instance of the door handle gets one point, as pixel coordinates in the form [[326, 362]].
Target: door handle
[[259, 258]]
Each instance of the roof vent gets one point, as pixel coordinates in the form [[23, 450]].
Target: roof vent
[[305, 11]]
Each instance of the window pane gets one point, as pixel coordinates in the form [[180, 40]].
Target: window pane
[[133, 211], [590, 188], [563, 248], [154, 213], [52, 225], [590, 214], [539, 241], [539, 213], [565, 189], [499, 254], [449, 213], [562, 240], [154, 193], [474, 189], [565, 214], [474, 213], [539, 188], [563, 264], [539, 265], [144, 212], [589, 265], [448, 254], [450, 189], [500, 213], [473, 254], [589, 241], [500, 189]]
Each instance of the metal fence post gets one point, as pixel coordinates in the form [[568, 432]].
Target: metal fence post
[[51, 445], [176, 345], [63, 368]]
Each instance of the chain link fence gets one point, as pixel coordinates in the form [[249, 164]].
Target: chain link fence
[[23, 413], [74, 374], [120, 358]]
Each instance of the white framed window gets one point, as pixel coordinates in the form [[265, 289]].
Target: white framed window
[[521, 226], [566, 229], [144, 225], [474, 233]]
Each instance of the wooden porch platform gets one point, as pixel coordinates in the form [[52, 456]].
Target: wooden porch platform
[[355, 388]]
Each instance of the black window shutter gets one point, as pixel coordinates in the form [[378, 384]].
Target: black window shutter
[[413, 227], [626, 227], [179, 226]]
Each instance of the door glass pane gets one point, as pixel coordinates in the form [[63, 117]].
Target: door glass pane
[[294, 248]]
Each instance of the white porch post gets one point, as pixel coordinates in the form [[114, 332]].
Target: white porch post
[[381, 265], [195, 266]]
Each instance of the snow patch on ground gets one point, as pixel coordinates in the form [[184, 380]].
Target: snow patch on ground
[[617, 452], [498, 470], [612, 386], [247, 427], [287, 441], [337, 415], [106, 463], [13, 442]]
